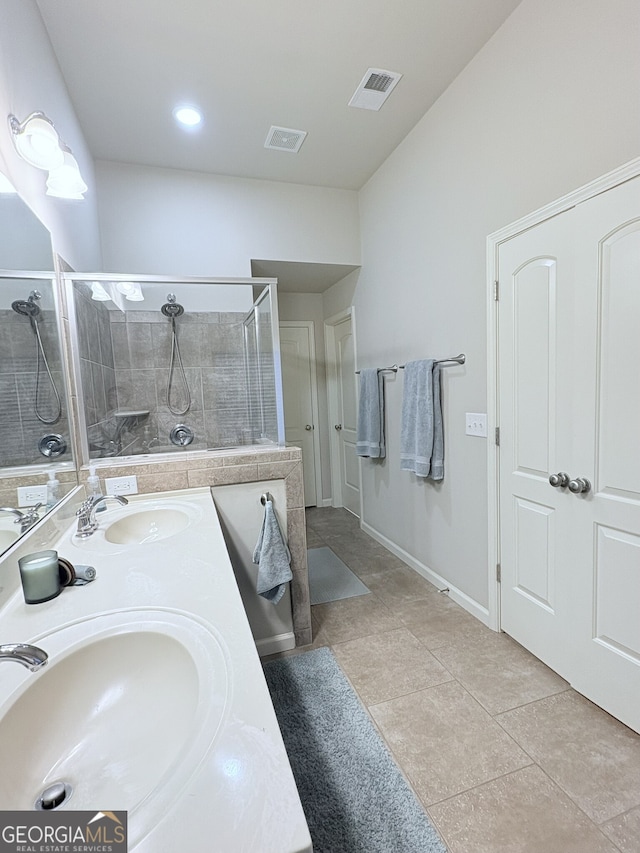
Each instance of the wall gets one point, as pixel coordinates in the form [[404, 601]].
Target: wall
[[550, 103], [173, 222], [30, 79]]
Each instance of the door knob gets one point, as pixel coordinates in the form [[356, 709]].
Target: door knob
[[559, 480], [338, 427], [579, 486], [308, 427]]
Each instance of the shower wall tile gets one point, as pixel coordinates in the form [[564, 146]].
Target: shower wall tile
[[136, 390], [161, 343], [140, 346], [120, 346], [104, 336]]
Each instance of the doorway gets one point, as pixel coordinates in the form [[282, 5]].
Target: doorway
[[343, 409], [567, 486], [300, 394]]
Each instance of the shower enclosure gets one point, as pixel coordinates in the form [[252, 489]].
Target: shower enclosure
[[33, 419], [168, 365]]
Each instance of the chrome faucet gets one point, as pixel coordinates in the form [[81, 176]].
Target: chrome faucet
[[87, 524], [25, 519], [30, 656]]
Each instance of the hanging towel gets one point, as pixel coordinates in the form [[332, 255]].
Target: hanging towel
[[370, 426], [273, 558], [421, 433]]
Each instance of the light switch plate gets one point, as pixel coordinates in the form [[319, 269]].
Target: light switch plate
[[476, 424]]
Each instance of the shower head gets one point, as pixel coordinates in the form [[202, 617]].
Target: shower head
[[172, 308], [26, 307]]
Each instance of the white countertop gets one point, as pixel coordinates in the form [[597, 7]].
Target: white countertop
[[242, 797]]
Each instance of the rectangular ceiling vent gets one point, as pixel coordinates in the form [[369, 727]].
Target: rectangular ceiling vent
[[374, 89], [285, 139]]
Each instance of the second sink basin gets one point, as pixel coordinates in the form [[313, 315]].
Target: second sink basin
[[147, 525]]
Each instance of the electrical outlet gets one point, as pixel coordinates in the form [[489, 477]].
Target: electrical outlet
[[31, 495], [476, 424], [121, 485]]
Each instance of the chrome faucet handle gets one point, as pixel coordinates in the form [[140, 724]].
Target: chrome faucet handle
[[30, 517], [30, 656], [83, 513]]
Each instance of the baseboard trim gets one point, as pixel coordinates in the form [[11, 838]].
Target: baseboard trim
[[275, 644], [461, 598], [327, 502]]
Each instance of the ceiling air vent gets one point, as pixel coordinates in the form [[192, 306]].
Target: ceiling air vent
[[285, 139], [374, 89]]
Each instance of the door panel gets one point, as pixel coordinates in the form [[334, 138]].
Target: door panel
[[295, 352], [606, 524], [348, 415], [536, 278]]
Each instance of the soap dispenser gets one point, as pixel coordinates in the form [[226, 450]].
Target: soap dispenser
[[53, 490], [93, 486]]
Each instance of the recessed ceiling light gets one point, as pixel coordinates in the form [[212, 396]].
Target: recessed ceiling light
[[188, 116]]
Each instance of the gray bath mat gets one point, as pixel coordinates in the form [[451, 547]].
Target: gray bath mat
[[354, 796], [330, 579]]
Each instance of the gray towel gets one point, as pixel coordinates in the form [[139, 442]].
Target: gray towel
[[370, 427], [273, 558], [421, 435]]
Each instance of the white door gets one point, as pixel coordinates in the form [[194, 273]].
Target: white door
[[569, 315], [345, 466], [298, 387]]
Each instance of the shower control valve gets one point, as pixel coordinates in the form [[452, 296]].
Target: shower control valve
[[181, 435]]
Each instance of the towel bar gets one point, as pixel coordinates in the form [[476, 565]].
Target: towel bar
[[458, 359]]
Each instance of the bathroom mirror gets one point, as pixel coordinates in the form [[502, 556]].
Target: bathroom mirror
[[34, 425], [167, 365]]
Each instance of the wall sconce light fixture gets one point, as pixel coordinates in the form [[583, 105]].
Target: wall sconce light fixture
[[98, 293], [37, 141], [131, 290]]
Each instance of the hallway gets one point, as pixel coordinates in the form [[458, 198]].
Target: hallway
[[503, 754]]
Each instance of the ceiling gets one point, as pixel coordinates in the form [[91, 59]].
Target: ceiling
[[251, 64]]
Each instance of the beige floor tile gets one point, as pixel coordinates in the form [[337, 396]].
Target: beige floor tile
[[445, 742], [524, 812], [400, 584], [350, 618], [624, 831], [593, 757], [385, 666], [313, 539], [437, 621], [499, 672]]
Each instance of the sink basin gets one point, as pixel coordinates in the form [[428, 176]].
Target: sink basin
[[9, 531], [148, 525], [124, 712]]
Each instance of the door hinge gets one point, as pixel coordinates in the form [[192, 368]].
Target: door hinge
[[496, 290], [498, 436], [498, 572]]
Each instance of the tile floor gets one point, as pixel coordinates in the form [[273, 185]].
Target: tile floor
[[504, 755]]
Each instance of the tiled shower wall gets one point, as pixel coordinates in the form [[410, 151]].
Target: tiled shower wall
[[211, 349], [20, 428], [125, 359]]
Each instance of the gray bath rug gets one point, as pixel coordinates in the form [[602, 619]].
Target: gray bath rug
[[353, 794], [330, 579]]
